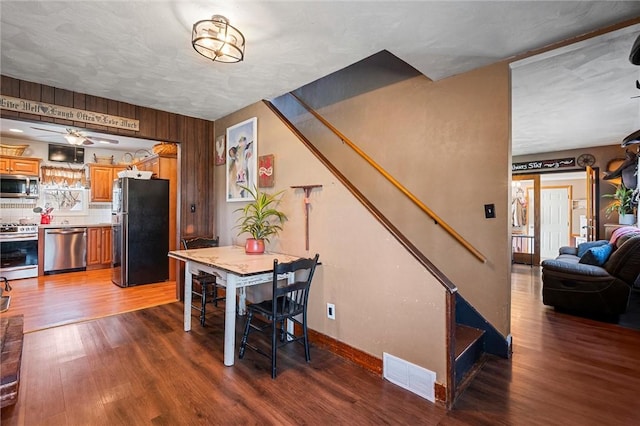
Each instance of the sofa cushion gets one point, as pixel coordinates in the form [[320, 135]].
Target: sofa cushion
[[583, 247], [597, 255], [624, 263], [622, 234], [569, 258]]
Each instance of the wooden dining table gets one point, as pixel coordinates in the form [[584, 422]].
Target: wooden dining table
[[235, 270]]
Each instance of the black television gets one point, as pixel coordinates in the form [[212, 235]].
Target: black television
[[66, 153]]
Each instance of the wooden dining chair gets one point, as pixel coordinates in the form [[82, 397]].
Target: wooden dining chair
[[203, 285], [288, 302]]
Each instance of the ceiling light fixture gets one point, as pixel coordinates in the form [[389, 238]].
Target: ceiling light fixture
[[217, 40], [16, 130]]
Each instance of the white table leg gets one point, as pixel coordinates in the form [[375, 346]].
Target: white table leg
[[242, 301], [230, 321], [187, 296]]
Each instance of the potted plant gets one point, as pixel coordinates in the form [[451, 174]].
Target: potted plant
[[260, 218], [622, 202]]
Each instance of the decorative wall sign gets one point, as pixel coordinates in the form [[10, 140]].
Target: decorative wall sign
[[543, 165], [221, 155], [266, 164], [242, 140], [73, 114]]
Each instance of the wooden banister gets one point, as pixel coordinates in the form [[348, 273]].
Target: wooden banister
[[394, 181]]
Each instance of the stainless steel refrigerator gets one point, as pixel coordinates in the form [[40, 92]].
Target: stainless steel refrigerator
[[140, 223]]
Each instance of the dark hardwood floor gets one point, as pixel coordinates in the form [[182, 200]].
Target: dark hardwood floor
[[140, 368]]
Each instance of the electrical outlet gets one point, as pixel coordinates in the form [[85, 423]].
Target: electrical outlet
[[331, 311]]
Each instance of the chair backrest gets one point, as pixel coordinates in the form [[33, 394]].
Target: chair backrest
[[624, 262], [292, 298], [199, 242]]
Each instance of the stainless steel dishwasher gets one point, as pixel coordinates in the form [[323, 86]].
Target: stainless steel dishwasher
[[65, 249]]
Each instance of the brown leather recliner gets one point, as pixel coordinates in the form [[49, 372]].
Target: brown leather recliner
[[589, 289]]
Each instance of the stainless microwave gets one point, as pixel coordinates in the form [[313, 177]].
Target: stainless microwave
[[19, 186]]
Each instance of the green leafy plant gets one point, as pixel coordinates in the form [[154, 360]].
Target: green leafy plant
[[260, 217], [622, 200]]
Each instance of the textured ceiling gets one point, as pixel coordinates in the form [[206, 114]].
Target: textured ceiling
[[579, 96], [139, 52]]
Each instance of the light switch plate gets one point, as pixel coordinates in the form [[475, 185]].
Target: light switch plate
[[490, 211]]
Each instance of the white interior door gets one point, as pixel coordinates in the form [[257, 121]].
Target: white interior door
[[554, 221]]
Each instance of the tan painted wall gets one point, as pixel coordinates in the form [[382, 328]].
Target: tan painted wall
[[448, 143], [385, 301], [455, 142]]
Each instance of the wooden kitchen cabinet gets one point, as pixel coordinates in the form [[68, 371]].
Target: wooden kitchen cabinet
[[19, 165], [165, 166], [99, 247], [101, 177]]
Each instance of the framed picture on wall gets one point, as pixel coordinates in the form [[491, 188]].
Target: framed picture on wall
[[265, 171], [242, 147], [221, 155]]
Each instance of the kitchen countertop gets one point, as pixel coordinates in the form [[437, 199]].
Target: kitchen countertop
[[76, 225]]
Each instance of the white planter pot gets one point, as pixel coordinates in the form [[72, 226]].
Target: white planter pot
[[627, 219]]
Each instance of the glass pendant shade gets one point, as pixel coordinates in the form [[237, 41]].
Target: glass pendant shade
[[217, 40]]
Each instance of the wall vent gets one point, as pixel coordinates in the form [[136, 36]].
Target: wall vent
[[409, 376]]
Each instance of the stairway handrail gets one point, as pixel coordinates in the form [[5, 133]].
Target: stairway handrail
[[452, 232], [384, 221]]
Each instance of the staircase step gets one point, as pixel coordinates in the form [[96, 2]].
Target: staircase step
[[465, 337], [469, 349]]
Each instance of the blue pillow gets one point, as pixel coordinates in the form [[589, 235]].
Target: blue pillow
[[597, 255], [583, 247]]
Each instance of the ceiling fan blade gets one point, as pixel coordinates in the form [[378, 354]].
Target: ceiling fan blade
[[87, 141], [48, 130], [98, 139]]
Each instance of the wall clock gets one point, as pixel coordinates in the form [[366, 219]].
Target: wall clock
[[586, 160]]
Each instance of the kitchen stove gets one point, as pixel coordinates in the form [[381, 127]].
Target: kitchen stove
[[18, 228], [18, 250]]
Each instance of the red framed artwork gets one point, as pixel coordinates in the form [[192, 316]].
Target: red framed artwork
[[265, 170]]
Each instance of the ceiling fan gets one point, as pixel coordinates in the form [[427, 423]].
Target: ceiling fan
[[76, 137]]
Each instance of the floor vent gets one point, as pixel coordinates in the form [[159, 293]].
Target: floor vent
[[409, 376]]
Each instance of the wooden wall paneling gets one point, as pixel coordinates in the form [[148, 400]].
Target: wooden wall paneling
[[200, 128], [9, 87], [79, 102], [129, 111], [47, 95], [162, 125], [31, 91], [186, 172], [96, 104], [188, 185], [175, 127], [148, 122], [211, 200], [113, 108], [63, 98], [204, 133]]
